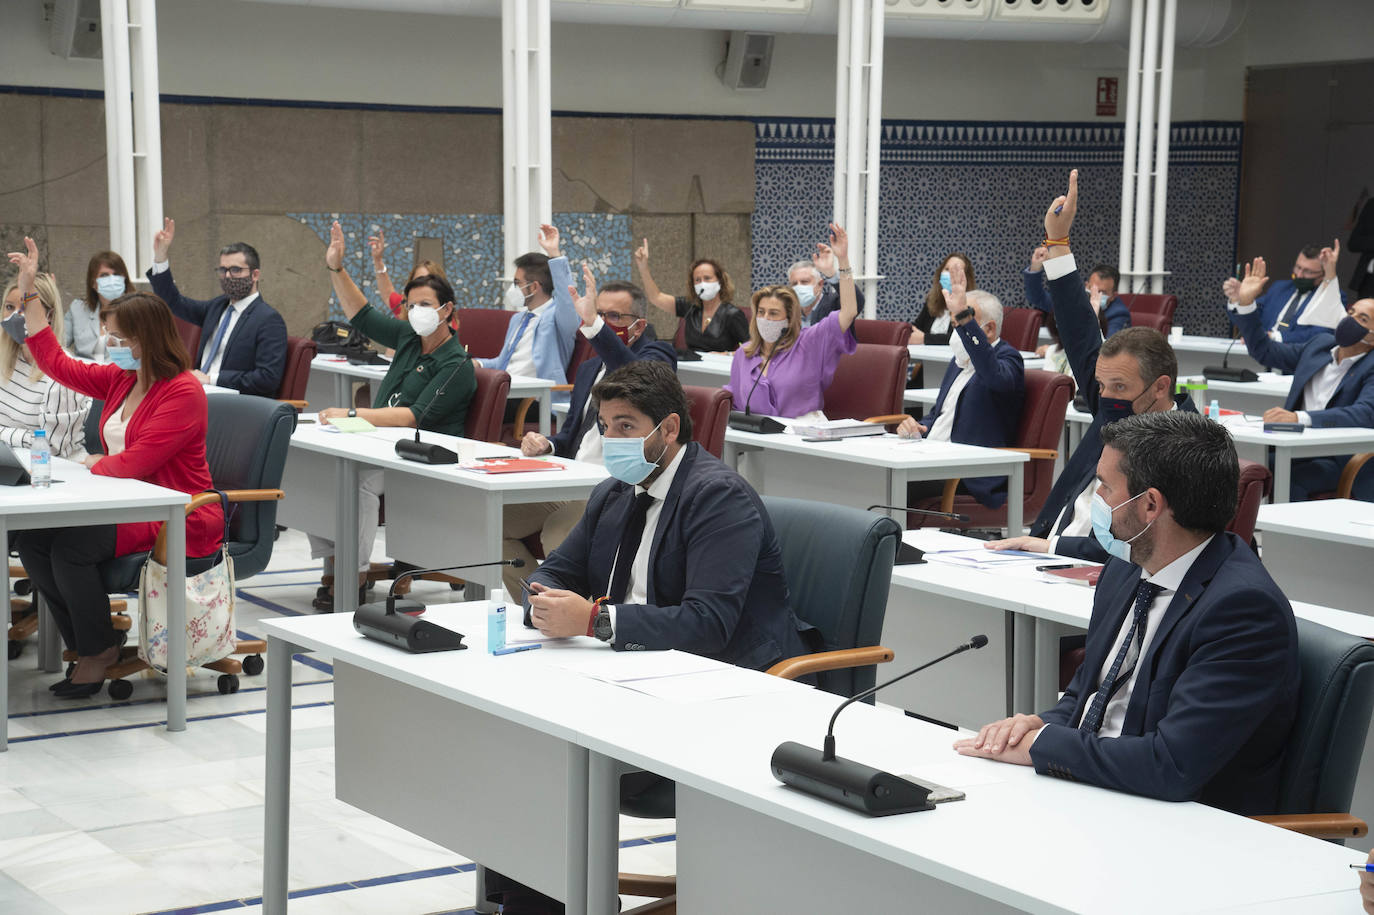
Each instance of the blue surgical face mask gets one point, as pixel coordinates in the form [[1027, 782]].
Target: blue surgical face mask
[[806, 296], [123, 356], [1101, 514], [624, 458], [110, 286]]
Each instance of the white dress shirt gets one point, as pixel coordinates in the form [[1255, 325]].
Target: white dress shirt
[[1321, 387], [637, 588], [943, 427], [589, 448], [1168, 578], [238, 307], [522, 357]]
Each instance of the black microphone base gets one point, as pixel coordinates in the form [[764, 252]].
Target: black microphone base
[[754, 422], [1226, 373], [847, 783], [424, 452], [908, 555], [403, 631]]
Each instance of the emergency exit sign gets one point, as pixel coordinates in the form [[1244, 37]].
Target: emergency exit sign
[[1106, 96]]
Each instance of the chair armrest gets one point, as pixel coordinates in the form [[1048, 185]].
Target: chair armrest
[[254, 495], [888, 419], [792, 668], [947, 497], [300, 405], [648, 885], [1037, 454], [1319, 825], [521, 411], [561, 387], [210, 498], [1351, 471]]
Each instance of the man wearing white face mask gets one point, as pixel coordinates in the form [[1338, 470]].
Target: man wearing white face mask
[[1190, 683], [429, 384], [981, 394], [539, 339], [818, 292]]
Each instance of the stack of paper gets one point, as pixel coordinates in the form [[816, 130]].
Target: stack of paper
[[836, 428], [675, 676]]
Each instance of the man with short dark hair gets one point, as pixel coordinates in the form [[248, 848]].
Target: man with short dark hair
[[539, 339], [242, 338], [1112, 314], [1297, 309], [1131, 372], [1190, 683], [616, 322]]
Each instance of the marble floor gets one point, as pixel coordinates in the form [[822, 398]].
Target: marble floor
[[104, 812]]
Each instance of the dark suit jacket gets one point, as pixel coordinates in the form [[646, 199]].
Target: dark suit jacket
[[1215, 697], [1081, 337], [716, 585], [1271, 304], [1114, 317], [1353, 402], [989, 408], [830, 301], [255, 353], [613, 354]]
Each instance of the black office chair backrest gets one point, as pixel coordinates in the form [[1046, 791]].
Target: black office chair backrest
[[838, 563], [1334, 706], [92, 428], [245, 447]]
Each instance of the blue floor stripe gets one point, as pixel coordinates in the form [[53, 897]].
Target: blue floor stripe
[[157, 724], [154, 700], [425, 874]]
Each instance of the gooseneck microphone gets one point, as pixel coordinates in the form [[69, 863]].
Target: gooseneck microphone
[[429, 453], [908, 555], [851, 784], [389, 621], [1224, 372], [748, 422]]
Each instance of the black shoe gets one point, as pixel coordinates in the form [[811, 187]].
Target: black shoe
[[60, 684], [325, 602], [78, 690]]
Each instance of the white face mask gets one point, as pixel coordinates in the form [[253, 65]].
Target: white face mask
[[707, 291], [424, 320], [771, 330], [515, 299], [956, 346]]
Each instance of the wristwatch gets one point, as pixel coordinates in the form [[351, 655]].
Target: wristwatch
[[352, 411], [601, 624], [963, 315]]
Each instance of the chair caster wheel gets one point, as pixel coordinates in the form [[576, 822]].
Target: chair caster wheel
[[15, 649], [253, 665], [120, 690], [227, 683]]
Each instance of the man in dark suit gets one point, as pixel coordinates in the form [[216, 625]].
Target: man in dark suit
[[1312, 294], [1131, 372], [615, 321], [818, 293], [242, 338], [1333, 381], [981, 394], [1190, 684]]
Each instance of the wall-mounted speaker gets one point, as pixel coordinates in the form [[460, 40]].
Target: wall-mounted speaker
[[747, 61]]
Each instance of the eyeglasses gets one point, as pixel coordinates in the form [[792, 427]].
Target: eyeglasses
[[235, 272], [114, 340], [615, 317]]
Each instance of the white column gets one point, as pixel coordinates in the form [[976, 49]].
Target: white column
[[1162, 131], [119, 131], [1128, 147], [526, 123], [858, 137], [1140, 256], [147, 113]]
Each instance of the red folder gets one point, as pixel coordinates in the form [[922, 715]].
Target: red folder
[[512, 465], [1079, 575]]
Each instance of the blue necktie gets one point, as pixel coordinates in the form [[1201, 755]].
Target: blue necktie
[[1092, 719], [520, 332], [219, 338]]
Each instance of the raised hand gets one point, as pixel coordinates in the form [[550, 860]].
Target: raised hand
[[1095, 298], [1059, 216], [1038, 258], [642, 255], [1230, 288], [1256, 275], [27, 262], [958, 284], [1328, 257], [334, 254], [585, 304], [162, 239], [376, 244], [548, 239], [839, 244], [824, 259]]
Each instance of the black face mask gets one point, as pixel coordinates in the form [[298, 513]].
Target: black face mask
[[1113, 408], [1350, 331], [1304, 284], [14, 326]]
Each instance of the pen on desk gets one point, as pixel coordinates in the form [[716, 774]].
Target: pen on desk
[[1062, 565], [1367, 868], [512, 649]]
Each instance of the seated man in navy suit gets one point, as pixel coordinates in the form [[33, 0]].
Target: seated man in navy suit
[[1131, 372], [981, 394], [1190, 684], [616, 321], [242, 338], [1333, 381], [818, 292], [1296, 310], [1112, 313]]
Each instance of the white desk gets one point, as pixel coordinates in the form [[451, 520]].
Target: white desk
[[1196, 353], [713, 371], [343, 374], [1317, 550], [1250, 396], [437, 514], [79, 498], [866, 471]]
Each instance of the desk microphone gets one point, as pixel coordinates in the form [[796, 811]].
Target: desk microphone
[[908, 555], [746, 421], [381, 620], [429, 453], [1224, 373], [851, 784]]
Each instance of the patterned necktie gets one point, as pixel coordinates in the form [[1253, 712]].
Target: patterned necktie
[[629, 547], [1092, 719], [219, 338], [519, 332]]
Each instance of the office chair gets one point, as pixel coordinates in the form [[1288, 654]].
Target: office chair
[[885, 333], [868, 382], [296, 373], [1021, 327], [710, 409]]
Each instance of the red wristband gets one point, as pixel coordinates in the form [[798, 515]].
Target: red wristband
[[591, 620]]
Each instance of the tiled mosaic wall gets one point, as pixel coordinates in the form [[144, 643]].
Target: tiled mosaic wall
[[982, 188]]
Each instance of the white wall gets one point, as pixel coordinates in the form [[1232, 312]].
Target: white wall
[[255, 50], [1319, 31]]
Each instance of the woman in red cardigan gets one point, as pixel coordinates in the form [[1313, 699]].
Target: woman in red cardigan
[[152, 428]]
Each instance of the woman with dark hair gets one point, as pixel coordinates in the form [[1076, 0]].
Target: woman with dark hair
[[711, 322], [931, 324], [429, 385], [152, 429], [106, 280], [785, 368]]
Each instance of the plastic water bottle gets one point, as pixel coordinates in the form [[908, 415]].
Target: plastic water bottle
[[40, 461], [496, 626], [1214, 411]]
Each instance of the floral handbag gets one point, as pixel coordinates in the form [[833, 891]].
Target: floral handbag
[[209, 609]]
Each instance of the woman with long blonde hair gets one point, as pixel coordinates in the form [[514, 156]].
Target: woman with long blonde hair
[[30, 400]]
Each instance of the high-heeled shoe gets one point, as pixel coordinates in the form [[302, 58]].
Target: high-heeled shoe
[[89, 675]]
